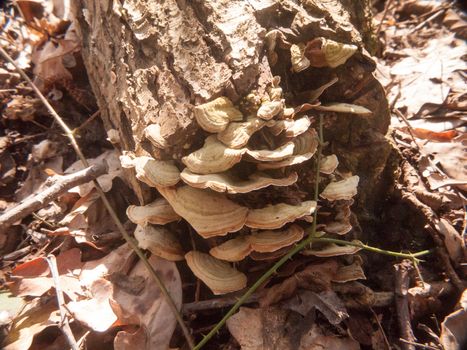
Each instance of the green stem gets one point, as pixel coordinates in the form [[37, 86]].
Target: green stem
[[412, 256]]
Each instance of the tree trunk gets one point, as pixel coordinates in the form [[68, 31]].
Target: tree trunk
[[153, 61]]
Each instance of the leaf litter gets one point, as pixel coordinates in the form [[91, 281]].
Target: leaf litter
[[112, 293]]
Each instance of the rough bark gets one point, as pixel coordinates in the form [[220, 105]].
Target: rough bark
[[152, 61]]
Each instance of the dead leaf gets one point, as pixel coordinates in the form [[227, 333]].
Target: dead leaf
[[453, 241], [273, 328], [149, 309], [327, 302], [37, 177], [453, 335], [442, 136], [95, 312], [29, 323], [426, 75], [316, 339], [259, 329], [316, 277], [111, 158], [33, 278], [10, 307], [452, 157]]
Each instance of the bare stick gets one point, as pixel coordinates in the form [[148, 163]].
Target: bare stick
[[64, 324], [108, 206], [402, 303], [379, 299], [61, 185], [386, 8]]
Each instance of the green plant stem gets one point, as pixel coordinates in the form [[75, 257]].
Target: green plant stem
[[131, 242], [375, 250]]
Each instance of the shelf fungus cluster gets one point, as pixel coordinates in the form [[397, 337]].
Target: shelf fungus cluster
[[246, 150]]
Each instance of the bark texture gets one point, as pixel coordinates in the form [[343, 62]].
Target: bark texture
[[151, 61]]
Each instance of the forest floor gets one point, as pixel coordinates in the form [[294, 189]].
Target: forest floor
[[56, 235]]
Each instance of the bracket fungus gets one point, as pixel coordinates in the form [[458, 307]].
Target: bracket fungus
[[343, 108], [151, 171], [153, 134], [158, 212], [266, 155], [239, 248], [227, 182], [276, 216], [305, 146], [270, 109], [237, 134], [238, 160], [214, 116], [159, 241], [210, 213], [333, 249], [291, 127], [218, 275], [322, 52], [213, 157], [328, 164], [338, 190], [297, 56]]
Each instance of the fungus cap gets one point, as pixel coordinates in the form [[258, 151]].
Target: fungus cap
[[210, 213], [214, 116], [159, 241], [218, 275], [158, 212]]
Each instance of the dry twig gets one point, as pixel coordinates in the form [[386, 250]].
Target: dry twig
[[402, 303], [60, 185], [64, 324]]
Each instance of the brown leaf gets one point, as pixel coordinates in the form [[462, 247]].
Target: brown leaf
[[33, 278], [316, 277], [442, 136], [149, 310], [327, 302], [453, 241], [29, 323], [453, 335]]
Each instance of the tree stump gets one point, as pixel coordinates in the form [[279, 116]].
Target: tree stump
[[152, 61]]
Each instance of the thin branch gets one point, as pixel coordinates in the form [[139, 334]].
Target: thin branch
[[64, 324], [126, 236], [61, 185], [380, 25], [411, 256], [402, 303]]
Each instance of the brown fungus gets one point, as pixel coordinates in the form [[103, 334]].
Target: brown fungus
[[214, 116], [218, 275]]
